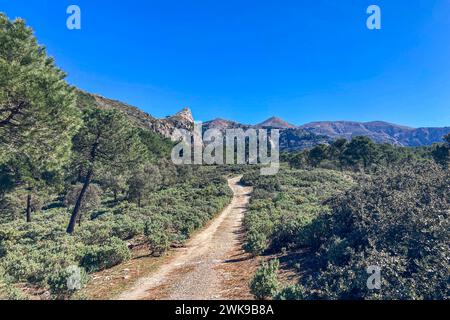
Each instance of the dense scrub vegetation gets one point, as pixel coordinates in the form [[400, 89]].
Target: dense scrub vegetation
[[39, 252], [359, 154], [399, 221], [393, 214], [284, 207]]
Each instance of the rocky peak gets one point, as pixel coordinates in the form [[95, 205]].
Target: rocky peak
[[277, 123], [181, 120], [184, 116]]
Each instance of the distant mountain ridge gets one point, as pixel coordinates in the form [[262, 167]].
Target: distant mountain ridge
[[292, 138], [379, 131]]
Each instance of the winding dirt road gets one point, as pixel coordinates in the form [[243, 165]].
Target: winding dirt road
[[197, 271]]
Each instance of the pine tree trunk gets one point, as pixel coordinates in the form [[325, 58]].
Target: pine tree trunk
[[29, 208], [80, 218], [76, 209]]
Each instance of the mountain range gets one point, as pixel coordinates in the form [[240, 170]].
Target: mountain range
[[310, 134], [292, 137]]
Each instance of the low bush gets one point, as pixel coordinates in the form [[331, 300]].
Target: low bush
[[265, 283], [256, 242], [291, 292], [158, 237], [107, 255], [65, 283]]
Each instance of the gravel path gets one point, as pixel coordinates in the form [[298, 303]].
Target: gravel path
[[194, 272]]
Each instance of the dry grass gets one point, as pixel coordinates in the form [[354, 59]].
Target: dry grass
[[107, 284], [236, 274]]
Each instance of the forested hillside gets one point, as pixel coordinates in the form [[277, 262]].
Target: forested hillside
[[81, 180]]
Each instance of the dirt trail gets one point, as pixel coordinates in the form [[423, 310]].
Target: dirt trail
[[197, 271]]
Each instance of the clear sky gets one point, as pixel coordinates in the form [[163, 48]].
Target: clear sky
[[302, 60]]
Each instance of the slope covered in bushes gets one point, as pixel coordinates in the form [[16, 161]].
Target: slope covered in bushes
[[395, 219], [284, 207], [40, 252]]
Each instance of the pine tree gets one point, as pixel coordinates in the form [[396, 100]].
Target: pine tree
[[361, 151], [106, 141], [38, 117]]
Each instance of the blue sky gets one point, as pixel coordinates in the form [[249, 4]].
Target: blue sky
[[302, 60]]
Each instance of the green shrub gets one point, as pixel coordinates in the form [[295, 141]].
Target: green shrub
[[35, 263], [65, 283], [265, 283], [95, 232], [397, 220], [126, 228], [10, 292], [158, 236], [7, 289], [284, 215], [256, 242], [107, 255], [292, 292]]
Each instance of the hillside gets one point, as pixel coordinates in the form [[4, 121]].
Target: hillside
[[223, 124], [164, 127]]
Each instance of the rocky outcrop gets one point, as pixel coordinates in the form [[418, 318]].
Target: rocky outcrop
[[167, 126]]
